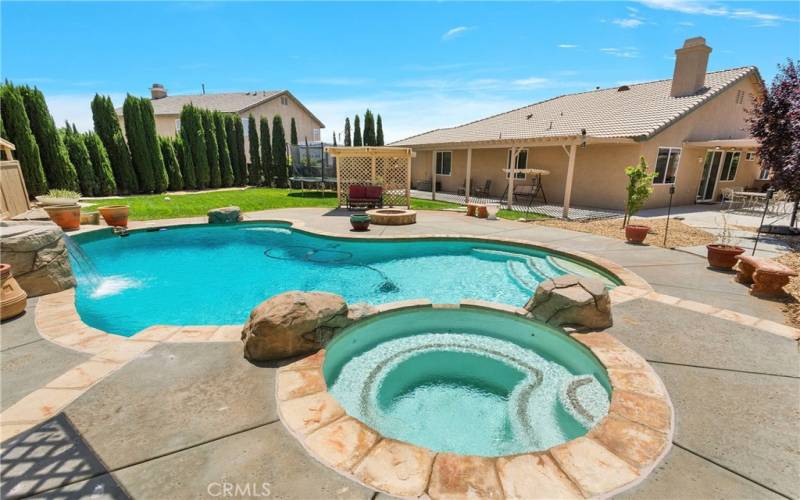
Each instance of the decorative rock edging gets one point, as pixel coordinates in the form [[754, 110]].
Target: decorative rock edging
[[615, 455]]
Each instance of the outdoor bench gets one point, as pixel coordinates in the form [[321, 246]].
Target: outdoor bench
[[362, 196], [766, 276]]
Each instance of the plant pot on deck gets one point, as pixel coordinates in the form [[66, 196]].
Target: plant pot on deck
[[635, 233], [115, 215], [360, 222], [68, 217], [723, 256], [14, 299]]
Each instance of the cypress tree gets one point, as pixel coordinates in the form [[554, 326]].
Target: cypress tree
[[185, 162], [266, 150], [137, 142], [17, 129], [103, 174], [226, 170], [195, 142], [369, 129], [212, 150], [171, 163], [279, 163], [233, 149], [59, 171], [379, 136], [347, 141], [79, 156], [240, 151], [293, 133], [160, 178], [334, 138], [357, 132], [255, 156], [106, 124]]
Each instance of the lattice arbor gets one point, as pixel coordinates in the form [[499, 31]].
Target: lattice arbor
[[387, 167]]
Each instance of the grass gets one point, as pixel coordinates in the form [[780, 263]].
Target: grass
[[170, 206]]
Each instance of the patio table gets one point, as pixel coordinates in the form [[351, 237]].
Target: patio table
[[751, 198]]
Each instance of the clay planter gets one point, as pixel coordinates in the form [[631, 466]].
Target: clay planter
[[360, 222], [14, 299], [636, 234], [723, 256], [68, 217], [115, 215]]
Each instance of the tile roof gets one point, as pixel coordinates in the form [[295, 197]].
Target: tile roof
[[638, 112], [230, 102]]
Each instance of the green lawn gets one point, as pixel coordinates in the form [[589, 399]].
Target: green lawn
[[168, 206]]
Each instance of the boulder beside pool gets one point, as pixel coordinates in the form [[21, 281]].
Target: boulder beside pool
[[37, 253], [572, 300], [224, 215], [293, 323]]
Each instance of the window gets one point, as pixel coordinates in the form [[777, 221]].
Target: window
[[316, 135], [521, 164], [729, 165], [444, 162], [245, 126], [763, 175], [749, 156], [177, 125], [284, 100], [739, 97], [667, 165]]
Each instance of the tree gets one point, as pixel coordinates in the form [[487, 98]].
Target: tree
[[279, 163], [137, 142], [171, 164], [357, 132], [254, 169], [106, 124], [240, 152], [347, 141], [195, 142], [212, 149], [334, 138], [369, 129], [79, 156], [17, 129], [379, 137], [226, 170], [58, 169], [293, 132], [266, 150], [775, 123], [233, 149], [160, 178], [103, 173], [185, 162], [640, 187]]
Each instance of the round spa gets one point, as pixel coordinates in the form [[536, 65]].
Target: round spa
[[469, 381]]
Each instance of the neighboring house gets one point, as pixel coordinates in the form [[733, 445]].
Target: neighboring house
[[691, 130], [266, 103]]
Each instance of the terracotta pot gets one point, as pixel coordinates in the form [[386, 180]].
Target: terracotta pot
[[636, 234], [14, 299], [360, 222], [723, 256], [68, 217], [115, 215]]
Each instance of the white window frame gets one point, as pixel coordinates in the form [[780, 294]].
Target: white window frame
[[450, 172], [672, 151], [518, 175], [245, 126], [750, 156], [177, 125], [764, 174], [722, 177], [284, 100], [316, 134]]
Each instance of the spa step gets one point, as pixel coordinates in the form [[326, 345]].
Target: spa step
[[542, 268], [569, 267], [521, 274], [499, 254]]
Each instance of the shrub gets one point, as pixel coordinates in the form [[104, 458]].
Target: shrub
[[103, 173], [226, 170], [137, 142], [293, 133], [357, 132], [255, 155], [266, 150], [79, 156], [171, 164], [347, 140], [640, 187], [195, 142], [106, 124], [17, 129], [369, 129], [379, 137], [233, 149], [279, 162], [160, 179], [212, 149], [242, 157]]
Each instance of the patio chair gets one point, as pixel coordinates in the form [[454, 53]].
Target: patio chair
[[483, 191], [729, 196]]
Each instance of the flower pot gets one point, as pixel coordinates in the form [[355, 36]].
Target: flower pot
[[68, 217], [723, 256], [636, 234], [13, 298], [47, 201], [115, 215], [491, 211], [360, 222]]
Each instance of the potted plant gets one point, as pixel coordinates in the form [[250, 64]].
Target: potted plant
[[640, 187], [115, 215], [360, 222], [62, 207], [722, 253], [58, 197]]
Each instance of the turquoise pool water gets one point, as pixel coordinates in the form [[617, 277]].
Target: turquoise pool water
[[196, 275], [467, 381]]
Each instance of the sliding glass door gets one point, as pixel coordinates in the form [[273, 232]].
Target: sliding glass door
[[708, 181]]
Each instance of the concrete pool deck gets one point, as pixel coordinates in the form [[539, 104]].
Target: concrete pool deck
[[184, 419]]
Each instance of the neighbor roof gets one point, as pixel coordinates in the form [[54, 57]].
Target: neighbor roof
[[636, 113]]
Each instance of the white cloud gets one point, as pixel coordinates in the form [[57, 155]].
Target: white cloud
[[716, 9], [336, 81], [625, 52], [567, 46], [454, 32], [630, 22], [533, 82]]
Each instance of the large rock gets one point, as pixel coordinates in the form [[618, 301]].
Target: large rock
[[38, 256], [571, 300], [293, 323], [224, 215]]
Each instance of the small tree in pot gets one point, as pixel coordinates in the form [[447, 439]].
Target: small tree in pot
[[722, 253], [640, 187]]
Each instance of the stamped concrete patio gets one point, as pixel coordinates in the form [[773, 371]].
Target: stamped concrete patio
[[187, 419]]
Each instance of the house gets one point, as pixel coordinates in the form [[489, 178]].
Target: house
[[691, 130], [261, 103]]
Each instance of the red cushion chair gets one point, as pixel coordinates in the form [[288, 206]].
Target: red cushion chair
[[374, 192], [357, 191]]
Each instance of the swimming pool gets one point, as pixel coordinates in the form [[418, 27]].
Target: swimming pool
[[214, 274]]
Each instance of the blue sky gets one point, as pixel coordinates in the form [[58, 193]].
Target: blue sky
[[421, 65]]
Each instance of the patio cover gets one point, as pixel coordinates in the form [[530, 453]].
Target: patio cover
[[388, 167]]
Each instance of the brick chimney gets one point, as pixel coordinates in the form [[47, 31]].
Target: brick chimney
[[157, 91], [691, 62]]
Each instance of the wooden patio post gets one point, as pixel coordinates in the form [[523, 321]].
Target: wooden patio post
[[468, 181], [511, 174], [408, 182], [568, 184], [433, 175]]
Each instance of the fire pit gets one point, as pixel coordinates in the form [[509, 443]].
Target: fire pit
[[392, 216]]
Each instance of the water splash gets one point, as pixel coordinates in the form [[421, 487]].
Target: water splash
[[87, 271], [113, 285]]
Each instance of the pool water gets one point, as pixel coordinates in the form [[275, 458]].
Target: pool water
[[467, 381], [197, 275]]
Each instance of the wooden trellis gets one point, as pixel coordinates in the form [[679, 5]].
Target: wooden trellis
[[387, 167]]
